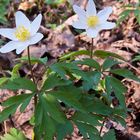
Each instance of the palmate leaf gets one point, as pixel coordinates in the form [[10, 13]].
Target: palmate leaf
[[105, 54], [91, 80], [14, 134], [74, 54], [64, 129], [109, 135], [125, 73], [7, 112], [87, 130], [70, 95], [95, 105], [108, 63], [34, 60], [19, 83], [53, 81], [52, 107], [44, 125], [12, 104], [114, 85], [89, 62], [90, 118], [61, 68], [50, 120]]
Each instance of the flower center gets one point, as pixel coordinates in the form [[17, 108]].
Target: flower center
[[92, 21], [22, 33]]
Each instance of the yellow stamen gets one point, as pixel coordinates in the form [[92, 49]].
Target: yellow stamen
[[92, 21], [22, 33]]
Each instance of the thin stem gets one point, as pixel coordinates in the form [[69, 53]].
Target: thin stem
[[102, 127], [91, 49], [32, 74]]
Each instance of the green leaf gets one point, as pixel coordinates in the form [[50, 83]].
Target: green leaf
[[88, 131], [19, 83], [52, 107], [7, 112], [54, 2], [16, 99], [90, 62], [109, 135], [14, 134], [64, 129], [25, 103], [44, 124], [91, 80], [34, 60], [105, 54], [74, 54], [89, 119], [114, 85], [15, 71], [53, 81], [125, 73], [100, 108], [3, 80], [108, 63], [69, 95]]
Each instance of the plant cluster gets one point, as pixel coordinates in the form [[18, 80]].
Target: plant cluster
[[65, 86]]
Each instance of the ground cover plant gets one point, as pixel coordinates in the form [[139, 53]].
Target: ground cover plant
[[82, 90]]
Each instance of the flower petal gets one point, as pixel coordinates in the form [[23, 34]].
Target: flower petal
[[8, 33], [79, 25], [91, 8], [36, 38], [22, 20], [23, 47], [104, 14], [92, 32], [10, 46], [80, 12], [36, 24], [107, 25]]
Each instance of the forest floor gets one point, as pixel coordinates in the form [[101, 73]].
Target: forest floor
[[59, 38]]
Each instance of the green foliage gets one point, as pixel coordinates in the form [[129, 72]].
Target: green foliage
[[89, 93], [54, 2], [130, 8], [3, 10], [14, 134], [12, 103], [109, 135], [34, 60]]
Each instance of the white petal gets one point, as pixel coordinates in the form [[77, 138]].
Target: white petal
[[22, 20], [79, 25], [107, 25], [92, 32], [91, 8], [8, 33], [36, 38], [10, 46], [36, 24], [104, 14], [80, 12], [23, 47]]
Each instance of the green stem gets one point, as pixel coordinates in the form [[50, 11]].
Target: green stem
[[92, 47], [32, 74]]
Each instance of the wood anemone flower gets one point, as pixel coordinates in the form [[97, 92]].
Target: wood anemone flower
[[92, 21], [23, 35]]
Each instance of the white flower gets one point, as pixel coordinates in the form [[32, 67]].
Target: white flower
[[23, 35], [92, 21]]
